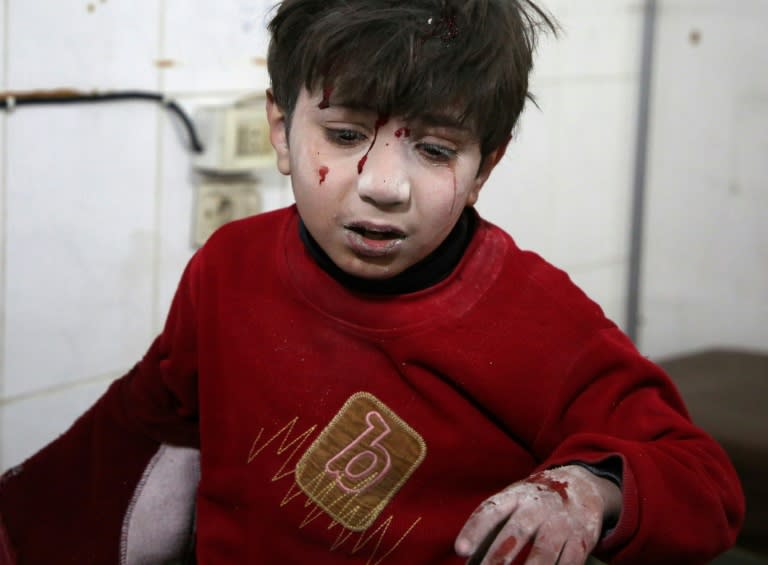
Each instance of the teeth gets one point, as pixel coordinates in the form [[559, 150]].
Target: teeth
[[378, 235], [375, 234]]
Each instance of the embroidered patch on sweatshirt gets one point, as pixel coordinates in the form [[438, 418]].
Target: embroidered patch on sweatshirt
[[359, 461]]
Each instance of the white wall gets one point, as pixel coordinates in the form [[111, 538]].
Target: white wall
[[565, 187], [97, 200], [95, 215], [705, 277]]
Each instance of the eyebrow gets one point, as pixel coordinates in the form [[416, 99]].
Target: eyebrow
[[442, 120], [429, 119]]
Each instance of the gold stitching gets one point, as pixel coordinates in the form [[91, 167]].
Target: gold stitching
[[366, 453], [318, 488], [394, 547], [298, 441]]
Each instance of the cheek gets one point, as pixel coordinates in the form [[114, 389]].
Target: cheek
[[447, 193], [437, 187], [439, 202], [307, 167]]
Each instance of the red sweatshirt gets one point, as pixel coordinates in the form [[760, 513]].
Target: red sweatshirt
[[337, 427]]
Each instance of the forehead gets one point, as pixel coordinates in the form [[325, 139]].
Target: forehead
[[436, 116]]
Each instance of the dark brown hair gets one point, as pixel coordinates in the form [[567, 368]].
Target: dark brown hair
[[467, 58]]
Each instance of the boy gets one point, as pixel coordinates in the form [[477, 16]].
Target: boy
[[362, 370]]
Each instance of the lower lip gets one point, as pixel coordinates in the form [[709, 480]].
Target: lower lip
[[372, 247]]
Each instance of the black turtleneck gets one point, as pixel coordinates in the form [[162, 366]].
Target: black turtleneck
[[427, 272]]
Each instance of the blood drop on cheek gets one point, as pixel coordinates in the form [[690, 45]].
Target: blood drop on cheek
[[323, 171]]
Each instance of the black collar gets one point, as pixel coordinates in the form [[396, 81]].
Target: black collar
[[427, 272]]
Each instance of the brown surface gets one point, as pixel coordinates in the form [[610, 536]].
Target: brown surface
[[727, 395]]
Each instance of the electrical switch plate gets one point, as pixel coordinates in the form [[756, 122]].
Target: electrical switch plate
[[235, 138], [222, 200]]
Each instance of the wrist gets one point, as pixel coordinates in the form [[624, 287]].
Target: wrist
[[612, 500], [608, 492]]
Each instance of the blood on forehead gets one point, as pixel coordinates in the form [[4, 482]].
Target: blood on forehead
[[326, 101], [452, 115]]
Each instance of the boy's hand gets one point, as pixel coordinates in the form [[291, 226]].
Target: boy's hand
[[551, 517]]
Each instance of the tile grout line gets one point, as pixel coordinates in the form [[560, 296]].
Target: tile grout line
[[3, 204], [59, 388], [158, 203], [3, 222]]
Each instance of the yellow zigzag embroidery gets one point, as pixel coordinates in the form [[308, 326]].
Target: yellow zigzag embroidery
[[296, 443], [326, 494]]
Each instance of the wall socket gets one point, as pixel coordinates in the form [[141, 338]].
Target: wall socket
[[222, 200], [235, 138]]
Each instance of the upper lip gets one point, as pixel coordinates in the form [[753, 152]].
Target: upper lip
[[384, 229]]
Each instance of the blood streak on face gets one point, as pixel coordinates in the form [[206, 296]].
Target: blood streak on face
[[379, 122], [361, 162], [323, 171], [402, 132]]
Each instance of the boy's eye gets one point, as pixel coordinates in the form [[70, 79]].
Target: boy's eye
[[437, 153], [342, 136]]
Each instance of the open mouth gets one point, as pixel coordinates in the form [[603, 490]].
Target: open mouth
[[379, 234]]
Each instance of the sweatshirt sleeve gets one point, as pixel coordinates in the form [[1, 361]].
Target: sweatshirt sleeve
[[69, 502], [682, 500]]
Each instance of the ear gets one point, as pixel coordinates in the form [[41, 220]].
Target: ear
[[487, 165], [278, 133]]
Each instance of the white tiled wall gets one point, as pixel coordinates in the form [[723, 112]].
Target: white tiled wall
[[98, 199], [88, 44], [3, 122], [79, 234], [565, 187], [705, 278], [215, 45]]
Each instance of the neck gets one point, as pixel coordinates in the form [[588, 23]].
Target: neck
[[424, 274]]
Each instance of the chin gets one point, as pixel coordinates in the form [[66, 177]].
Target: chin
[[371, 269]]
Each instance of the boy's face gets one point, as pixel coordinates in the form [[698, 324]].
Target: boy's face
[[377, 194]]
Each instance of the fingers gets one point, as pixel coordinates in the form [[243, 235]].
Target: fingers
[[485, 545], [516, 546], [540, 548], [484, 524], [508, 550], [575, 552], [552, 518], [499, 531]]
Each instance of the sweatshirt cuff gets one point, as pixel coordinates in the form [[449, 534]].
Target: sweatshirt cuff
[[610, 468], [6, 552], [626, 525], [614, 469]]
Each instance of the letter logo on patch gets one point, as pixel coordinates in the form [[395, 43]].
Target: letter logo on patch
[[359, 461]]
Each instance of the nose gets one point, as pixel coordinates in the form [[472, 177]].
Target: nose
[[383, 179]]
